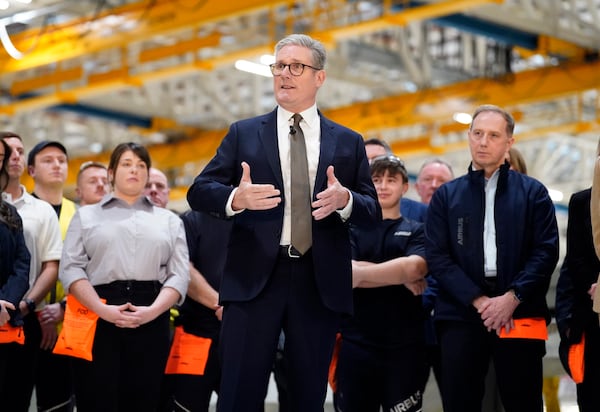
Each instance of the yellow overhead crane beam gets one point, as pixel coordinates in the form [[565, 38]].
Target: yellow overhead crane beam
[[431, 105], [50, 53], [61, 45], [161, 18], [421, 108], [402, 18], [424, 107], [146, 19], [136, 22]]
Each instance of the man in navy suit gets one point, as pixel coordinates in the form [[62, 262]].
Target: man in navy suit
[[268, 285]]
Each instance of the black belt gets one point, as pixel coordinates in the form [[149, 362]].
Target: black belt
[[132, 285], [138, 292], [289, 252]]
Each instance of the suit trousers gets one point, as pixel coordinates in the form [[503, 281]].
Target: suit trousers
[[250, 331], [466, 350]]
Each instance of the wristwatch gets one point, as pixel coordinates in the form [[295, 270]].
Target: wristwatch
[[30, 304], [516, 295]]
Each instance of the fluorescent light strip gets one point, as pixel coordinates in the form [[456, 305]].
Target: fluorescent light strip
[[462, 118], [267, 59], [254, 68], [8, 44]]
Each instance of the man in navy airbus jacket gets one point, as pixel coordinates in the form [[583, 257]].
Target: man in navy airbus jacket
[[492, 246]]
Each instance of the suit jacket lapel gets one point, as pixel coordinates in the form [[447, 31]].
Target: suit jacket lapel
[[268, 137], [327, 151]]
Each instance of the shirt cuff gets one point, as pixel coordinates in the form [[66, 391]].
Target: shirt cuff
[[228, 209], [347, 210]]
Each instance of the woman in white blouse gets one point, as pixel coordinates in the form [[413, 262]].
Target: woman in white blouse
[[134, 255]]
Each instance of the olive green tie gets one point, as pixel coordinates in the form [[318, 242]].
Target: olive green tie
[[301, 224]]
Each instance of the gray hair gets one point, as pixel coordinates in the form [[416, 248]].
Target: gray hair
[[510, 121], [436, 160], [318, 50]]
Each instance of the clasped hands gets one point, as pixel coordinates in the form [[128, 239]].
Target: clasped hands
[[128, 315], [264, 196], [497, 312]]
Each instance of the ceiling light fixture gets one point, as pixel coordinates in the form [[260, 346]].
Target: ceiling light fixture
[[267, 59], [254, 68], [22, 17], [462, 118], [8, 44]]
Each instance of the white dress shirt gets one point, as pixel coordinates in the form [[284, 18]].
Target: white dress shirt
[[489, 226], [311, 128]]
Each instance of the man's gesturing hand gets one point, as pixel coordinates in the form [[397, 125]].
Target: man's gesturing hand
[[254, 196], [329, 200]]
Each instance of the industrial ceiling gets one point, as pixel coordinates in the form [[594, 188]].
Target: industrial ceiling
[[163, 72]]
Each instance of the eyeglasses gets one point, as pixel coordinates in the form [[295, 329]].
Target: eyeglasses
[[296, 69]]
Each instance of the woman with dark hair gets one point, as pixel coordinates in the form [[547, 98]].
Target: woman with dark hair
[[134, 255], [14, 272]]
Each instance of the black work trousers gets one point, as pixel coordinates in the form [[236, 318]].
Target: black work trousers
[[128, 365], [466, 350]]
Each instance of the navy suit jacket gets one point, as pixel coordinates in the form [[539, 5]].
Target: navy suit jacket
[[255, 236], [413, 210]]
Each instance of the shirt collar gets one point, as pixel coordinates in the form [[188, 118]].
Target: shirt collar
[[25, 197], [310, 115], [492, 182], [142, 201]]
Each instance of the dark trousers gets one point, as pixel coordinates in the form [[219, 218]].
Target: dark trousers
[[250, 332], [193, 392], [4, 371], [280, 372], [434, 363], [11, 400], [587, 391], [54, 382], [127, 369], [29, 365], [466, 349], [20, 362], [372, 377]]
